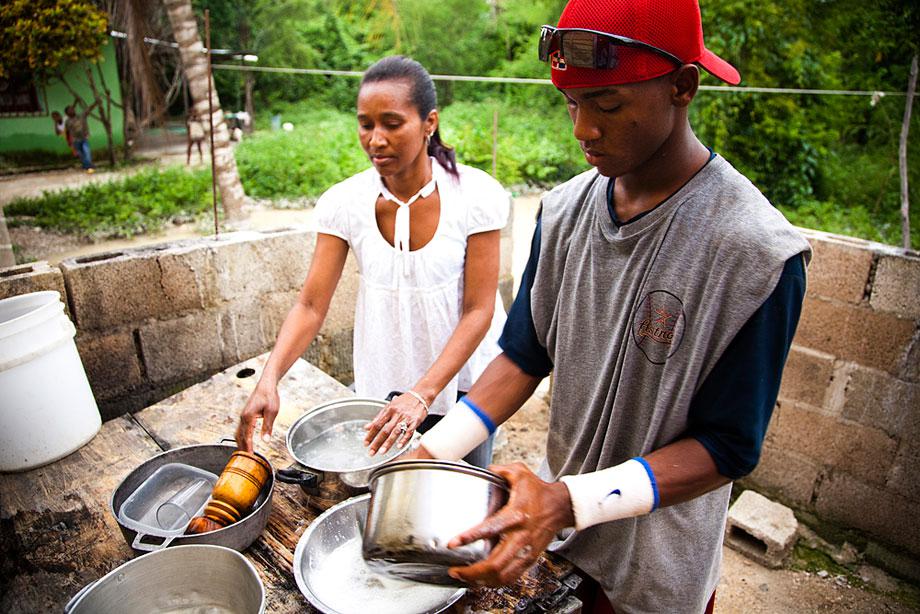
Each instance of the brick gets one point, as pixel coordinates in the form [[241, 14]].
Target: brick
[[862, 450], [181, 349], [117, 288], [875, 398], [792, 476], [857, 334], [897, 285], [111, 362], [762, 530], [33, 277], [883, 513], [839, 269], [807, 376]]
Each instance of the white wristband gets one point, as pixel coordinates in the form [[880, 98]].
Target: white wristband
[[456, 434], [624, 491]]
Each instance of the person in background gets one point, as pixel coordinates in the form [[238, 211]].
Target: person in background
[[61, 130], [195, 133], [425, 233], [78, 132], [662, 291]]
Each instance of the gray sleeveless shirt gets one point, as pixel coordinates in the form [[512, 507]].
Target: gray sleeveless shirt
[[634, 318]]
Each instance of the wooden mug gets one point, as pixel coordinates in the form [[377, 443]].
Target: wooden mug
[[235, 492]]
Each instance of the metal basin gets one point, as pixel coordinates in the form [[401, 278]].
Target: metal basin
[[418, 506], [210, 457], [333, 577], [318, 438], [208, 579]]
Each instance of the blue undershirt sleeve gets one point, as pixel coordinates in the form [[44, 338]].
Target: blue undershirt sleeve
[[730, 412], [519, 337]]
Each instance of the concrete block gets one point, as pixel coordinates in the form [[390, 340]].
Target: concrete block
[[874, 398], [241, 333], [904, 477], [762, 530], [881, 512], [787, 473], [111, 362], [333, 354], [186, 276], [181, 349], [117, 288], [273, 308], [857, 334], [896, 286], [839, 269], [32, 277], [826, 440], [898, 563], [910, 366], [806, 376], [247, 264]]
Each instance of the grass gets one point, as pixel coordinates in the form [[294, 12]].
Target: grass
[[136, 204]]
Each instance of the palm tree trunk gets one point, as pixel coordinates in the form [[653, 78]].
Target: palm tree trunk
[[7, 258], [195, 63]]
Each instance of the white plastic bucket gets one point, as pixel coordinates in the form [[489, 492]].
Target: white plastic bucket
[[47, 409]]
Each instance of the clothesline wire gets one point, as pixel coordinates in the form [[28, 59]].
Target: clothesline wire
[[527, 81]]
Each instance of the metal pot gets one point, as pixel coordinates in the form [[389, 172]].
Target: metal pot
[[307, 436], [333, 577], [185, 578], [210, 457], [418, 506]]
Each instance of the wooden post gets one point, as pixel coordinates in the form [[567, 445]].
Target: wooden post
[[495, 143], [207, 38], [902, 154]]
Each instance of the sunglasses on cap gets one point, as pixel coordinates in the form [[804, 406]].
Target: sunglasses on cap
[[581, 48]]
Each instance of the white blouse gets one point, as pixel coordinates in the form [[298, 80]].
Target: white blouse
[[409, 303]]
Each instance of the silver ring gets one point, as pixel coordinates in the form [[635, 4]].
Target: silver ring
[[403, 426]]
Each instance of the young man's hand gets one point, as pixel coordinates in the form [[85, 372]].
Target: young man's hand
[[535, 511]]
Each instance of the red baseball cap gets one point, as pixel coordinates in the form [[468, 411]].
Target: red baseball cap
[[672, 25]]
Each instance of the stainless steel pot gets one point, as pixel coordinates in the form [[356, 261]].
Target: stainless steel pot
[[333, 577], [210, 457], [418, 506], [181, 579], [305, 445]]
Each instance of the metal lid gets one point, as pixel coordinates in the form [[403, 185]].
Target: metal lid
[[438, 465]]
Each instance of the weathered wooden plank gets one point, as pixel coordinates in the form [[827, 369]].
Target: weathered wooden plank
[[56, 531]]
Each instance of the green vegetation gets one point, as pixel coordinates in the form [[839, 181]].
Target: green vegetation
[[137, 204]]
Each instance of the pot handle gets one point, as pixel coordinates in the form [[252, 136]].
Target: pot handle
[[140, 544], [73, 600], [224, 440], [304, 479], [393, 394]]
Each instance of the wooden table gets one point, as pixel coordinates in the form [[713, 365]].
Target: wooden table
[[57, 534]]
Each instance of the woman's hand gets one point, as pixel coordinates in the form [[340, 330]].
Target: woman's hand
[[263, 403], [395, 423]]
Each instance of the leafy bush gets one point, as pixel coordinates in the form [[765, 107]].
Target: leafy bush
[[136, 204], [322, 149]]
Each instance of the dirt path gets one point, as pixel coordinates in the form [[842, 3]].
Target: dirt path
[[746, 587]]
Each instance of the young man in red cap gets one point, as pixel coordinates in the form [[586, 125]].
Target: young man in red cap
[[663, 291]]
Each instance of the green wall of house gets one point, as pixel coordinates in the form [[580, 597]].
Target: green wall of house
[[35, 132]]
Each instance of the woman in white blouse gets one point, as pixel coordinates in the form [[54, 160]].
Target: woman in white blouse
[[425, 233]]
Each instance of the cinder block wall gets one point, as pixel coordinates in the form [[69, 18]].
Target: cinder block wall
[[844, 441], [153, 320]]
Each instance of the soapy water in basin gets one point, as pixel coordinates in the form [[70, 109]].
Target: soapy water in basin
[[344, 582], [341, 448]]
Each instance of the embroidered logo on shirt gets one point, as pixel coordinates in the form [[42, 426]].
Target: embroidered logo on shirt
[[658, 325]]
